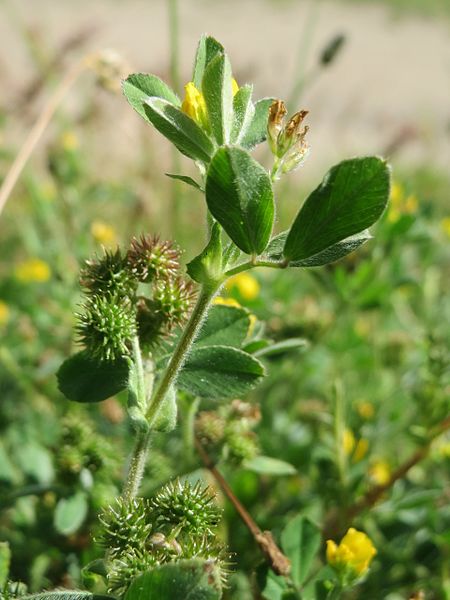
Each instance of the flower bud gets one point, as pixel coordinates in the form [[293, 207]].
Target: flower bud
[[194, 106], [352, 557], [277, 112]]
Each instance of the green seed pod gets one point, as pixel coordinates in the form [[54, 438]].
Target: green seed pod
[[191, 507], [210, 427], [241, 446], [125, 525], [151, 259], [108, 275], [173, 299], [106, 327]]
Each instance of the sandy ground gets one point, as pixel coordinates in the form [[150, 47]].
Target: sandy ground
[[392, 73]]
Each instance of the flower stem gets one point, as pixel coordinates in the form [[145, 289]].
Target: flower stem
[[181, 352], [137, 465]]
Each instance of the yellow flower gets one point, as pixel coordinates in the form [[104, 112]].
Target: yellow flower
[[362, 446], [400, 203], [69, 141], [33, 270], [365, 409], [194, 105], [354, 554], [445, 226], [356, 449], [226, 301], [380, 472], [103, 233], [348, 441], [4, 313], [247, 286]]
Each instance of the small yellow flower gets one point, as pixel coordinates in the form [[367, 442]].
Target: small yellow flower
[[103, 233], [445, 226], [226, 301], [356, 449], [69, 141], [362, 446], [400, 203], [194, 105], [247, 286], [33, 270], [354, 554], [365, 409], [234, 86], [380, 472], [4, 313], [348, 441]]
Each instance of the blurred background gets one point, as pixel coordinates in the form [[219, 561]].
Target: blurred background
[[375, 76]]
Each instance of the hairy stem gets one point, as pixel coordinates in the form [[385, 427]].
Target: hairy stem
[[137, 465], [181, 352]]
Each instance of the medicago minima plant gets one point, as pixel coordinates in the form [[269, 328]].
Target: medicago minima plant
[[156, 333]]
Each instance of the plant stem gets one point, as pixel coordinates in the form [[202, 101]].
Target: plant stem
[[335, 593], [278, 562], [181, 352], [141, 392], [256, 263], [190, 410], [137, 465], [139, 456]]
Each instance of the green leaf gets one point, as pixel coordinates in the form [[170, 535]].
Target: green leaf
[[224, 326], [180, 129], [5, 559], [206, 268], [84, 379], [140, 86], [186, 579], [208, 48], [218, 94], [275, 586], [219, 372], [335, 252], [265, 465], [301, 540], [257, 130], [66, 595], [166, 417], [239, 195], [186, 179], [70, 513], [243, 113], [281, 347], [36, 461], [352, 196]]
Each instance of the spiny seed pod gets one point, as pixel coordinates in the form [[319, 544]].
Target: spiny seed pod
[[151, 259], [123, 570], [191, 507], [242, 446], [150, 322], [209, 427], [125, 525], [108, 274], [173, 298], [106, 327]]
